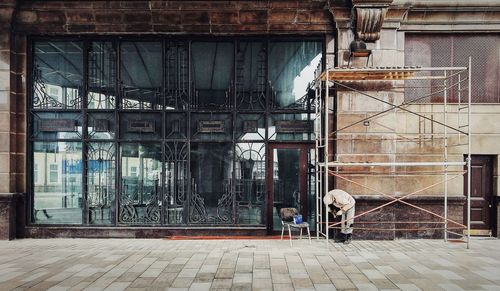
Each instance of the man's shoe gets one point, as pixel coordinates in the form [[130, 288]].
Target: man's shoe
[[348, 239], [340, 238]]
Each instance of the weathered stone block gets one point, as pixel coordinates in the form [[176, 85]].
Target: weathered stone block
[[51, 17], [4, 162], [253, 16], [224, 18], [195, 18], [137, 17], [27, 16], [139, 27], [80, 28], [111, 17], [7, 216], [282, 16], [79, 16]]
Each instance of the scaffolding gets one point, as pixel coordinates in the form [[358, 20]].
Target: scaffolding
[[451, 86]]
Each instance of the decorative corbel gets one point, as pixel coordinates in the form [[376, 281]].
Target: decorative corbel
[[369, 17]]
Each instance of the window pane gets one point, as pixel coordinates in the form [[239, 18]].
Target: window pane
[[141, 75], [291, 70], [250, 183], [57, 74], [213, 70], [101, 182], [140, 199], [102, 76], [251, 76], [212, 200], [292, 127], [58, 189]]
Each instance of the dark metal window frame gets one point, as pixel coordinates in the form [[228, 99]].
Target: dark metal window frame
[[116, 41]]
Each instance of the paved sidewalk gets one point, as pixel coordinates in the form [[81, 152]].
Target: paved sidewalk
[[138, 264]]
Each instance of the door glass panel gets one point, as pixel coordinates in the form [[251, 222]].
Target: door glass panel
[[101, 182], [250, 174], [286, 182], [140, 200], [58, 183]]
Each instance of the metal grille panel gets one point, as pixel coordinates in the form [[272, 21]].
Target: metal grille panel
[[454, 50]]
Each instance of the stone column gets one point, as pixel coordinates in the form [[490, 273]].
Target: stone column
[[10, 161]]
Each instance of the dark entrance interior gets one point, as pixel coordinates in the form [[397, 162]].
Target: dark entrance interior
[[289, 182]]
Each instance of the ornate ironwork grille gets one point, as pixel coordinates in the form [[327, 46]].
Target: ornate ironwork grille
[[162, 132]]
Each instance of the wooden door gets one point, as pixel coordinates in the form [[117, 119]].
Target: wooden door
[[481, 193]]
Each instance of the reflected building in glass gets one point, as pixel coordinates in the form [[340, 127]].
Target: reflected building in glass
[[171, 132]]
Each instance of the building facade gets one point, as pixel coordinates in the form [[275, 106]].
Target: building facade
[[156, 118]]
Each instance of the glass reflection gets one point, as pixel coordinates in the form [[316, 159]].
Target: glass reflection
[[291, 70], [141, 75], [57, 74], [251, 76], [140, 200], [213, 69], [102, 76], [286, 182], [57, 182]]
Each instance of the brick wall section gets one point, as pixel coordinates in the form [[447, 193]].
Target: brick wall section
[[179, 17]]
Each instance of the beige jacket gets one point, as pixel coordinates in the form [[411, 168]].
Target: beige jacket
[[340, 199]]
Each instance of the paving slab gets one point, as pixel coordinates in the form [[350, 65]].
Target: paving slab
[[142, 264]]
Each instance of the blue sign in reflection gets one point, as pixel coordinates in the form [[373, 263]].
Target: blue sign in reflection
[[94, 166]]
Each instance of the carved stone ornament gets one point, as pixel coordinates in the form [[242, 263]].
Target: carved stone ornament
[[369, 17]]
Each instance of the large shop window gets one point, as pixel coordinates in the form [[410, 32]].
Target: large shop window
[[291, 70], [162, 132], [454, 50]]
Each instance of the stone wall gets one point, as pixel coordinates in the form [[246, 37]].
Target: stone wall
[[12, 123], [173, 17]]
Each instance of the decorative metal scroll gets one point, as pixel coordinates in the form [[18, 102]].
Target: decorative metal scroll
[[255, 98], [225, 206], [69, 98], [176, 177], [197, 211], [177, 75]]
